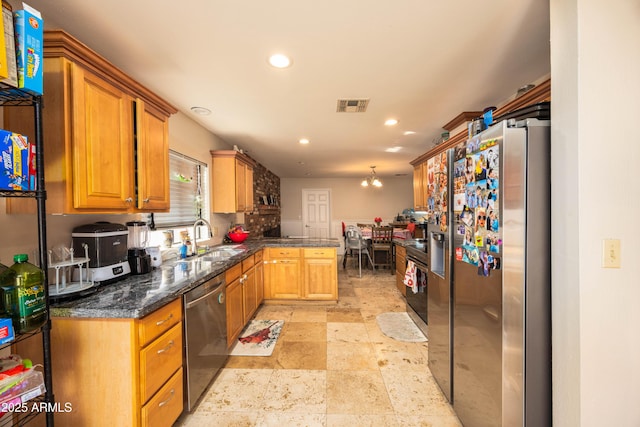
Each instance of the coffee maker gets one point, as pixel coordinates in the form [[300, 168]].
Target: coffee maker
[[139, 259]]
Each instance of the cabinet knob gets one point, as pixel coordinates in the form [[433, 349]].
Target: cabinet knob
[[128, 200], [146, 200]]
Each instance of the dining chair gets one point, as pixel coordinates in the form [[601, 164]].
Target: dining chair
[[355, 242], [382, 241]]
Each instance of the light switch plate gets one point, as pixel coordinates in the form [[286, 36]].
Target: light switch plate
[[611, 253]]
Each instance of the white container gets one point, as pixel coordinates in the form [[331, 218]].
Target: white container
[[156, 256]]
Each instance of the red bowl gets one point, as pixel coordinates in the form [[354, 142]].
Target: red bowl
[[238, 237]]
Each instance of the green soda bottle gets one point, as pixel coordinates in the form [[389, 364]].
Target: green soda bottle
[[23, 296], [7, 275]]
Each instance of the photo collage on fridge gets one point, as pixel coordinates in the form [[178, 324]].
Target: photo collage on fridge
[[475, 199]]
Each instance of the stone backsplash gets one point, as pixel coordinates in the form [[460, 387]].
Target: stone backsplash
[[266, 201]]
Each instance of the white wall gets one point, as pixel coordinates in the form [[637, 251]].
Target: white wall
[[350, 202], [595, 69]]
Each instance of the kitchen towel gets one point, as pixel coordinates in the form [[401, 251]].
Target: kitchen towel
[[410, 278]]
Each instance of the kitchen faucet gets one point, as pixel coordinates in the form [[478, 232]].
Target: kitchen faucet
[[194, 246]]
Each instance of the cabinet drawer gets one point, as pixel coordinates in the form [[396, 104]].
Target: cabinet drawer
[[158, 322], [233, 273], [159, 360], [283, 253], [247, 263], [319, 252], [258, 257], [166, 406]]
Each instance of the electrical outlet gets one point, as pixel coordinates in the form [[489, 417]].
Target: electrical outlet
[[611, 253], [214, 231]]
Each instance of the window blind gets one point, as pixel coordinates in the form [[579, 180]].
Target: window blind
[[188, 180]]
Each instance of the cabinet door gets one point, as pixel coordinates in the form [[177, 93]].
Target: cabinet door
[[241, 183], [248, 189], [259, 279], [249, 294], [152, 159], [320, 274], [235, 317], [102, 143], [419, 189], [282, 278]]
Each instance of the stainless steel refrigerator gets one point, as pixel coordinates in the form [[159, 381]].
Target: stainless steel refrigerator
[[500, 231], [439, 306]]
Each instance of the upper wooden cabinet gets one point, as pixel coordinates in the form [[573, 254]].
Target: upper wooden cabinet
[[232, 182], [106, 145], [420, 186]]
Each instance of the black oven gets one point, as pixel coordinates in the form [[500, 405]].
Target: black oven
[[417, 294]]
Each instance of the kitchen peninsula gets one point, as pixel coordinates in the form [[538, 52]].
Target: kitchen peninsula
[[124, 343]]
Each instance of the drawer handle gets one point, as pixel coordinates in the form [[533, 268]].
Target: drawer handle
[[160, 322], [164, 402], [167, 348]]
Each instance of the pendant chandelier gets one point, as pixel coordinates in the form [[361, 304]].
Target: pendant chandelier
[[372, 179]]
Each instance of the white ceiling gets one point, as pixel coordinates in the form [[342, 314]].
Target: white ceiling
[[420, 61]]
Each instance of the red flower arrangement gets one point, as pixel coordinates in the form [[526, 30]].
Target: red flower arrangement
[[377, 220]]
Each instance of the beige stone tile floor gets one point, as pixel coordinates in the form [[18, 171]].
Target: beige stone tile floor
[[332, 366]]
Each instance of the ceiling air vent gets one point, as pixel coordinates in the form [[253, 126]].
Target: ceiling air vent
[[352, 105]]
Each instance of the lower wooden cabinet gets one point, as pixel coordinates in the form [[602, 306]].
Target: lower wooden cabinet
[[301, 274], [244, 294], [401, 268], [119, 371]]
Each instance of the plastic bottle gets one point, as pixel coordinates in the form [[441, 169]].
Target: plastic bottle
[[10, 276], [23, 297]]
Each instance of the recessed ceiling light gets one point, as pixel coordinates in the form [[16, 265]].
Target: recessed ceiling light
[[393, 149], [391, 122], [201, 111], [279, 60], [409, 132], [304, 141]]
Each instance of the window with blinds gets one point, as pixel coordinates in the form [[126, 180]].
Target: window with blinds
[[188, 187]]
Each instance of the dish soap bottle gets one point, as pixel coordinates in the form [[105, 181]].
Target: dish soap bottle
[[23, 297]]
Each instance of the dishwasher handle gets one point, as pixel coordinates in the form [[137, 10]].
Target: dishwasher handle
[[218, 289]]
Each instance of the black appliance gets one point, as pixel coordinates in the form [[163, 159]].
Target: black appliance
[[417, 294], [139, 260], [107, 249]]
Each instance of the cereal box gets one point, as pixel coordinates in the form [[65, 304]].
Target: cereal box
[[10, 76], [14, 172], [29, 45]]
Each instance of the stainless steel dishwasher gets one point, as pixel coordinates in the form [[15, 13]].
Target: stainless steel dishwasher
[[205, 331]]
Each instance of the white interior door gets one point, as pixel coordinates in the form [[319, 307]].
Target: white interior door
[[316, 213]]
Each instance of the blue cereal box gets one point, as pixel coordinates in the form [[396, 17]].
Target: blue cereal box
[[6, 331], [29, 45], [14, 172]]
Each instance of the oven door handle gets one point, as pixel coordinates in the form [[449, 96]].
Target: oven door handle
[[419, 264]]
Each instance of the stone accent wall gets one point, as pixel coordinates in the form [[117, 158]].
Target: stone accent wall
[[266, 187]]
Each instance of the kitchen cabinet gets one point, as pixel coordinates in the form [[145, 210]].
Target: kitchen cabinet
[[107, 148], [132, 365], [282, 269], [420, 185], [401, 268], [232, 181], [301, 274], [320, 274], [244, 295]]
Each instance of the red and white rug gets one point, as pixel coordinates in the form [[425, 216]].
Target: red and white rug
[[258, 338]]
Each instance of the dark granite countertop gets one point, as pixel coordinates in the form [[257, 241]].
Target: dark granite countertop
[[139, 295]]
